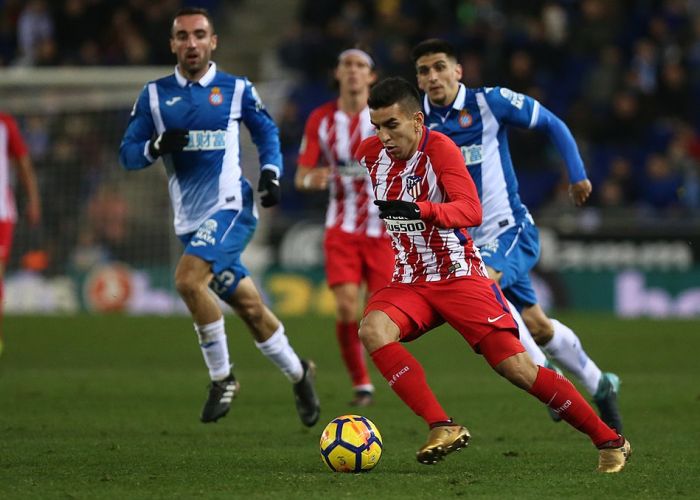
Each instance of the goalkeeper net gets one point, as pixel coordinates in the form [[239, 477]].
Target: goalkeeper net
[[106, 240]]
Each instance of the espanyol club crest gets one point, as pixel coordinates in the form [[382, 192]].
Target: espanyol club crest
[[465, 119], [215, 97], [413, 185]]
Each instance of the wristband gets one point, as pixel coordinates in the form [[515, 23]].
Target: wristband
[[306, 181]]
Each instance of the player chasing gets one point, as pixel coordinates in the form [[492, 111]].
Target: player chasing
[[427, 200], [356, 245], [477, 120], [191, 119], [13, 148]]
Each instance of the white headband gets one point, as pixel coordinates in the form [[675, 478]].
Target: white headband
[[359, 53]]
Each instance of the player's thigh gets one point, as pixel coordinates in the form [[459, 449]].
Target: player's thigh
[[192, 271], [220, 241], [347, 298], [343, 259], [409, 310], [246, 296], [6, 234], [474, 306], [377, 263]]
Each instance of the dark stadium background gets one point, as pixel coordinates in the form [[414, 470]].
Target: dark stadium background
[[100, 379]]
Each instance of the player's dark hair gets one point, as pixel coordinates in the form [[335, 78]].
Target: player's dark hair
[[433, 46], [394, 90], [195, 11]]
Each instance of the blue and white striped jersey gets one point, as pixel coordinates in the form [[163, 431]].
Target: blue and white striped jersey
[[477, 122], [206, 176]]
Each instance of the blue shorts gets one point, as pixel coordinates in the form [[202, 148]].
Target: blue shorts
[[220, 240], [514, 253]]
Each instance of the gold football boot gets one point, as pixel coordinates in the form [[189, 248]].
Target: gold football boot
[[613, 459], [442, 440]]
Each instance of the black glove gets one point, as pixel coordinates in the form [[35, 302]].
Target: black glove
[[398, 209], [269, 188], [170, 141]]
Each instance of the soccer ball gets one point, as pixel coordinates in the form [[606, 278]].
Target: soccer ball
[[351, 443]]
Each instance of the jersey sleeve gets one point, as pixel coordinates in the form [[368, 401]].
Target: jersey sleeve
[[512, 108], [133, 151], [565, 143], [520, 110], [462, 208], [16, 145], [310, 149], [263, 130]]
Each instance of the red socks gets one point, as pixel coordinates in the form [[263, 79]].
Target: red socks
[[407, 378], [558, 393], [352, 351]]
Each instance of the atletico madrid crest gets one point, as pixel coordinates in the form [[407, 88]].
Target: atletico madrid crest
[[413, 185]]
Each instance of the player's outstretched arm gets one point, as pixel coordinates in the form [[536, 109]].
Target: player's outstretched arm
[[564, 141]]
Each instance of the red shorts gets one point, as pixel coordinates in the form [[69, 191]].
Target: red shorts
[[6, 230], [354, 258], [472, 305]]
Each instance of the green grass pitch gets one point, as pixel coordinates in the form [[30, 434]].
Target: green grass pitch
[[107, 407]]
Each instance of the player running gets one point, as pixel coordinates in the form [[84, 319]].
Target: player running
[[13, 148], [477, 120], [427, 200], [192, 119], [356, 245]]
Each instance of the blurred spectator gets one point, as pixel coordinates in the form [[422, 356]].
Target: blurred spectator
[[661, 183], [87, 32], [35, 29], [622, 73]]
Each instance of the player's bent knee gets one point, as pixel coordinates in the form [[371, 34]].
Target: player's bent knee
[[377, 330], [541, 331], [539, 325], [519, 369], [250, 311], [186, 285]]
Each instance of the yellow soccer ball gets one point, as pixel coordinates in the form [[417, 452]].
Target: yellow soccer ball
[[351, 443]]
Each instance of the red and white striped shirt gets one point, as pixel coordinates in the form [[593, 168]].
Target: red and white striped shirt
[[11, 146], [437, 246], [331, 138]]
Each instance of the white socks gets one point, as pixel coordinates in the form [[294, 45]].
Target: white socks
[[212, 342], [278, 350], [526, 339], [565, 348]]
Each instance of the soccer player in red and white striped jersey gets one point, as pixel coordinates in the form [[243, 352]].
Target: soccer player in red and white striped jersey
[[427, 199], [356, 245], [12, 147]]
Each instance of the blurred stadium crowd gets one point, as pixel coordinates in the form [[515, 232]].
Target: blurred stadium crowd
[[623, 74], [87, 32]]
